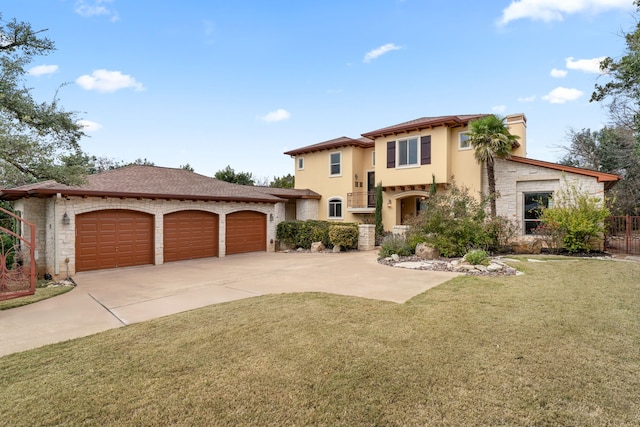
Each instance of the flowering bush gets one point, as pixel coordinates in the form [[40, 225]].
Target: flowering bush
[[575, 219]]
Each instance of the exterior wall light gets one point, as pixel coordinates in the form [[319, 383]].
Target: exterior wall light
[[65, 219], [271, 217], [389, 203]]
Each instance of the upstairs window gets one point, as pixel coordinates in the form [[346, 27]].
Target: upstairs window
[[408, 152], [300, 163], [533, 204], [463, 141], [335, 164]]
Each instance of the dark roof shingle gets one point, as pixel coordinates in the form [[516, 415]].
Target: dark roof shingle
[[147, 182]]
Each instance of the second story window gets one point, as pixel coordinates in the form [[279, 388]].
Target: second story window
[[463, 141], [300, 163], [335, 164], [408, 152]]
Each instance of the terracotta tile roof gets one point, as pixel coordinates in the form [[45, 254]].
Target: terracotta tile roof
[[289, 193], [139, 181], [343, 141], [424, 123], [608, 178]]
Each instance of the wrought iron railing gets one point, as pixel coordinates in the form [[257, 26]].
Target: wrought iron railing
[[365, 199], [622, 235], [17, 256]]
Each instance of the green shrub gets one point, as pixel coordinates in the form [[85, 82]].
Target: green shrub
[[452, 221], [394, 244], [575, 216], [319, 232], [302, 234], [500, 232], [345, 235], [477, 257], [8, 249]]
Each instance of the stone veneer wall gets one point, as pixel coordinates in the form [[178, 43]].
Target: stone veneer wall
[[514, 179], [307, 209], [33, 210], [55, 241], [366, 237]]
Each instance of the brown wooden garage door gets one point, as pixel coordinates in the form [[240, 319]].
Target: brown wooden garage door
[[190, 235], [113, 238], [246, 231]]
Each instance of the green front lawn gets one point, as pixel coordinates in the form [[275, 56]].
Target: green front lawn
[[557, 346]]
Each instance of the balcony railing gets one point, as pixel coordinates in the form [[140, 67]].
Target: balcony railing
[[362, 200]]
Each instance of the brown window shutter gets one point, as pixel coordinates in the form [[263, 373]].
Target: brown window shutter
[[425, 150], [391, 154]]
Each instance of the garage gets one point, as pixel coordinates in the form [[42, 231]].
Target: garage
[[113, 238], [190, 235], [246, 231]]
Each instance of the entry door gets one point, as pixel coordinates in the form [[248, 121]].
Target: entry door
[[371, 189]]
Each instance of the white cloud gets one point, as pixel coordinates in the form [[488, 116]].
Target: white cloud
[[275, 116], [499, 109], [375, 53], [558, 73], [41, 70], [89, 126], [587, 65], [555, 10], [527, 99], [560, 95], [89, 8], [108, 81]]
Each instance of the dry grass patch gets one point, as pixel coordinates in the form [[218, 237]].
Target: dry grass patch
[[558, 346]]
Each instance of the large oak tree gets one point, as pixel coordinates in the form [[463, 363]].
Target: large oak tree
[[38, 140]]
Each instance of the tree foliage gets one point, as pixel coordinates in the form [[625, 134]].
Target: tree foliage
[[491, 140], [38, 140], [228, 174], [612, 150], [576, 217], [378, 212], [286, 181], [616, 149]]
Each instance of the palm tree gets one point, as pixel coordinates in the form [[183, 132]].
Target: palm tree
[[491, 139]]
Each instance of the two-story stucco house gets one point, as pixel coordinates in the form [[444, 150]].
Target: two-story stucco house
[[407, 158]]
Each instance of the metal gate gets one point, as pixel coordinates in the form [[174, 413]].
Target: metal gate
[[17, 256], [622, 235]]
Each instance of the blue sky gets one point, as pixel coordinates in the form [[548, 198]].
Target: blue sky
[[217, 83]]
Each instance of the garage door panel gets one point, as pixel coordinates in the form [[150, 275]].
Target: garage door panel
[[246, 231], [113, 238], [190, 235]]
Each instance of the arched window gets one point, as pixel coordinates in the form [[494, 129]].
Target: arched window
[[335, 207]]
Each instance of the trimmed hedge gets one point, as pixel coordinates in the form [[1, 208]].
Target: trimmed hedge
[[301, 234]]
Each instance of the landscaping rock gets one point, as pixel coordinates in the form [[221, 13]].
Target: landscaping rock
[[395, 257], [337, 249], [426, 251], [317, 247], [493, 267], [526, 247]]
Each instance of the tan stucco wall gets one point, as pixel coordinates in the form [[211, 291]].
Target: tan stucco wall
[[316, 176], [56, 241], [448, 163]]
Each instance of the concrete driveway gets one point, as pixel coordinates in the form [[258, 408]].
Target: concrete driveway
[[109, 299]]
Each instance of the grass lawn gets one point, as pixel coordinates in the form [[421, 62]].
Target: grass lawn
[[557, 346], [41, 294]]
